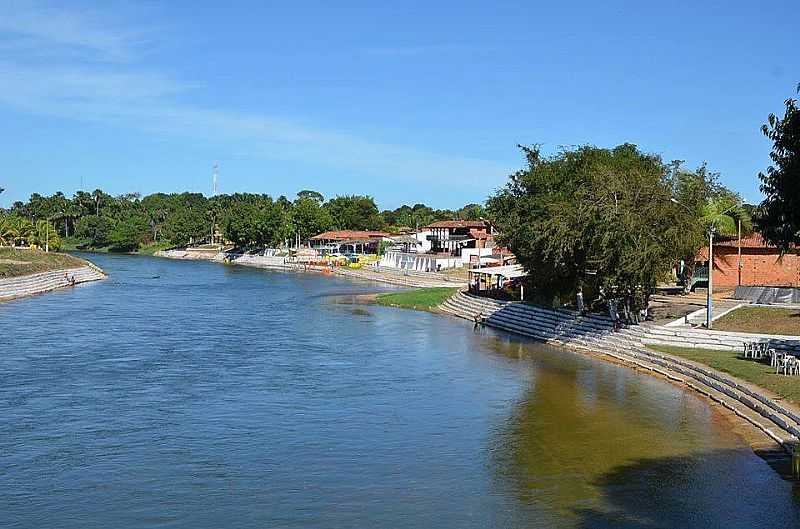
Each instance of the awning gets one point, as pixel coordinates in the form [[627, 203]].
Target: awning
[[508, 271]]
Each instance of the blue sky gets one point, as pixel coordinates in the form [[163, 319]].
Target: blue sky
[[404, 101]]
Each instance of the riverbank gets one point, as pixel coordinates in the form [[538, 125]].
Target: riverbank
[[34, 284], [761, 375], [427, 299], [778, 422], [30, 272], [375, 274], [77, 245], [23, 261]]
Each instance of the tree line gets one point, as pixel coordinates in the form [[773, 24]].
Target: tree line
[[129, 222], [586, 218]]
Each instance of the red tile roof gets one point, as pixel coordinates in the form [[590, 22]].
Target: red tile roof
[[480, 234], [459, 224], [349, 235], [754, 240]]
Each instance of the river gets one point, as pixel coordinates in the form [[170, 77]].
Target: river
[[192, 394]]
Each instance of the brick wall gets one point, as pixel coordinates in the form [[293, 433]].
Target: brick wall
[[760, 267]]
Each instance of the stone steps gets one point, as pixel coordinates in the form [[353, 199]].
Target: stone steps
[[46, 281], [595, 333], [700, 338]]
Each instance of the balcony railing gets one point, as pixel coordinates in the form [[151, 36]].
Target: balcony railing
[[452, 237], [700, 272]]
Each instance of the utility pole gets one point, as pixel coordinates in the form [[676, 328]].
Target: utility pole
[[709, 299], [739, 262], [711, 229]]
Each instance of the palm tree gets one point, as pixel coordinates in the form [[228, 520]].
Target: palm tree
[[23, 230], [7, 231], [724, 213], [155, 218]]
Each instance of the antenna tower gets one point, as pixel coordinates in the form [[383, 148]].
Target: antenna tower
[[215, 176]]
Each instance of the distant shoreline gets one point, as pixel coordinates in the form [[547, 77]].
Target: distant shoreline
[[395, 277]]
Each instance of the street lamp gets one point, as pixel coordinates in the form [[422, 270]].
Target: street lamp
[[709, 300], [710, 289]]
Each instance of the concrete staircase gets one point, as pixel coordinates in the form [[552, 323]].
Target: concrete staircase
[[704, 339], [17, 287], [595, 333]]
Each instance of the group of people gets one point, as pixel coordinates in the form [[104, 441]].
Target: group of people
[[69, 279], [625, 306]]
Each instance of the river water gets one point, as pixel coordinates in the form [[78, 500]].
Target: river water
[[191, 394]]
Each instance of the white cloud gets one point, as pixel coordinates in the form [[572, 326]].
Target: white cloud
[[65, 30], [122, 95]]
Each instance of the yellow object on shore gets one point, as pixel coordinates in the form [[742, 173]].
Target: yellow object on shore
[[368, 258]]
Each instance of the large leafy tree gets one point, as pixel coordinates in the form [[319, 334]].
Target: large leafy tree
[[595, 218], [186, 219], [471, 212], [316, 196], [257, 222], [354, 212], [128, 234], [95, 230], [778, 218], [309, 217]]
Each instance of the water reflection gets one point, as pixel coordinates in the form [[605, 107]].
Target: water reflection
[[604, 446]]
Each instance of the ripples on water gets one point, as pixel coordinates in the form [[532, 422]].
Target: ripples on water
[[214, 396]]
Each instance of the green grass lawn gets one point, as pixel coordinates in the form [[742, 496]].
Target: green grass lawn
[[71, 244], [150, 249], [420, 299], [752, 371], [765, 320], [14, 263]]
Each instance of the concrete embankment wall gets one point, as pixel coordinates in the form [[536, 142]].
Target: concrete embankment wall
[[17, 287], [190, 255], [703, 339], [407, 278]]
